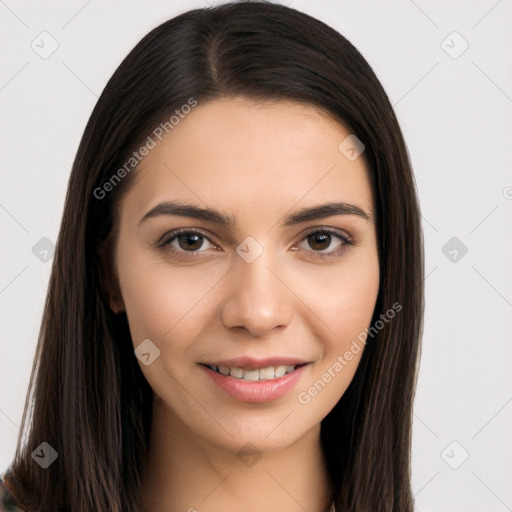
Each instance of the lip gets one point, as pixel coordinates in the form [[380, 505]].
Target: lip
[[256, 391], [253, 363]]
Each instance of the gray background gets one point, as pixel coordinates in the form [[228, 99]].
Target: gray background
[[455, 109]]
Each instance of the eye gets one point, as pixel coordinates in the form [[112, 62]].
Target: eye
[[185, 243], [321, 239], [188, 241]]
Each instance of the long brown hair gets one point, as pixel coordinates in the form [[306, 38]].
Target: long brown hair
[[91, 403]]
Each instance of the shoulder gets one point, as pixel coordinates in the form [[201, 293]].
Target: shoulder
[[7, 502]]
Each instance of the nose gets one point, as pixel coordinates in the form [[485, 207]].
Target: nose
[[258, 298]]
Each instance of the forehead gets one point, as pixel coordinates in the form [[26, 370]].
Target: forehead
[[238, 154]]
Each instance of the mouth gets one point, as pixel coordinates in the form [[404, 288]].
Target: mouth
[[252, 374], [251, 381]]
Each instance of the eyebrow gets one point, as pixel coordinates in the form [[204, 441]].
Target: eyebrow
[[230, 222]]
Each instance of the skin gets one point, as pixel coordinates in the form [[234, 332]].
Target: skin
[[257, 162]]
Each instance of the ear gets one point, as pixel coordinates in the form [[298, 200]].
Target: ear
[[108, 278], [115, 298]]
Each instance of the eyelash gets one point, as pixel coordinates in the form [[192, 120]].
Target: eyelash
[[168, 238]]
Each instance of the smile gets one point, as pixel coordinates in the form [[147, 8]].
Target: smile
[[266, 373], [260, 385]]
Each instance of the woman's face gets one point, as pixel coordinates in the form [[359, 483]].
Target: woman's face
[[269, 290]]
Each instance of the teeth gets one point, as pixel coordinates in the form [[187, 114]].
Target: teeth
[[280, 371], [267, 373], [224, 370], [251, 375], [236, 372]]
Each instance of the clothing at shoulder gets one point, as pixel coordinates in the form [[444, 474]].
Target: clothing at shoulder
[[7, 503]]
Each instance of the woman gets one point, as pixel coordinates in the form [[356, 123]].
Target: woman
[[202, 346]]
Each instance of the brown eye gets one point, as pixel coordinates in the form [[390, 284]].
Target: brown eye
[[190, 241], [319, 241], [184, 243]]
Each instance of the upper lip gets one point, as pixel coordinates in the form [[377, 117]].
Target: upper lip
[[252, 363]]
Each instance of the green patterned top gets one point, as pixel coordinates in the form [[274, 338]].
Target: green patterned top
[[7, 503]]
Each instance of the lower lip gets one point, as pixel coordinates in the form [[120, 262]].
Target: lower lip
[[257, 391]]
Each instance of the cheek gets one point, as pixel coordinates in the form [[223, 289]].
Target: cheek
[[344, 301], [162, 303], [159, 300], [357, 298], [343, 296]]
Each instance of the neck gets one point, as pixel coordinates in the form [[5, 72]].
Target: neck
[[186, 473]]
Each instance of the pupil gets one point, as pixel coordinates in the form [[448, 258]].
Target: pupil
[[319, 238], [188, 238]]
